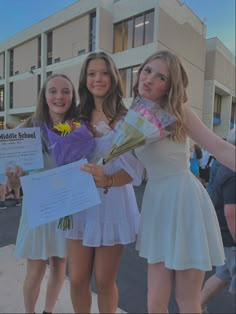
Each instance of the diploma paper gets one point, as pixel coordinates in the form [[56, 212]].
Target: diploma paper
[[58, 192], [21, 146]]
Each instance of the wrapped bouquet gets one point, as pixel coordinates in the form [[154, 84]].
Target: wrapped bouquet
[[69, 142], [143, 123]]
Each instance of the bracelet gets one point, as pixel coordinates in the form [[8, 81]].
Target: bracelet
[[106, 188]]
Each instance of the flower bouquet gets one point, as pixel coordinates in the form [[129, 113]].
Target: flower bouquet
[[69, 142], [143, 123]]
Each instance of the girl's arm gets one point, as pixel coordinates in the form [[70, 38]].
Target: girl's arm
[[219, 148], [230, 216], [119, 178]]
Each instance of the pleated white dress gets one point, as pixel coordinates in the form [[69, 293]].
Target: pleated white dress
[[116, 219], [43, 241], [178, 225]]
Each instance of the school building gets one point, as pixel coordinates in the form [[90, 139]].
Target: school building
[[129, 30]]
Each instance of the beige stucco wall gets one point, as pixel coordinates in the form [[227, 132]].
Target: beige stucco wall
[[25, 56], [27, 98], [182, 38], [224, 71], [126, 8], [72, 72], [186, 37], [208, 99], [105, 32], [71, 38], [220, 64]]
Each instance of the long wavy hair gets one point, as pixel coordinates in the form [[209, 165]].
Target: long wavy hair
[[113, 105], [41, 113], [177, 96]]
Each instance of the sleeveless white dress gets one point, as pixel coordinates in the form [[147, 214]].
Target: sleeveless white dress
[[178, 225], [116, 219], [43, 241]]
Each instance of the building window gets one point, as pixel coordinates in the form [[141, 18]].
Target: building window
[[149, 28], [49, 48], [39, 52], [2, 98], [11, 62], [233, 116], [1, 123], [49, 73], [134, 32], [11, 95], [38, 83], [128, 76], [217, 109], [2, 76], [92, 32]]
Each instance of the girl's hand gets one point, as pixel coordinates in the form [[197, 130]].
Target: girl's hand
[[100, 178], [14, 177]]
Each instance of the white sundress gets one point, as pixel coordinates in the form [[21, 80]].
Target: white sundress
[[43, 241], [116, 219], [178, 225]]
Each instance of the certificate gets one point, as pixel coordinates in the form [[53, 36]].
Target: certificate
[[22, 147], [58, 192]]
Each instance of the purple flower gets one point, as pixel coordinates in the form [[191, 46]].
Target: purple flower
[[71, 147]]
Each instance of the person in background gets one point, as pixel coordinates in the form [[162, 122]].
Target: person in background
[[213, 170], [99, 233], [179, 231], [3, 181], [223, 196], [195, 156], [56, 103], [204, 168]]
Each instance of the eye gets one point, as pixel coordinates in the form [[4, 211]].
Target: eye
[[52, 91], [147, 70], [91, 74], [66, 91], [162, 78]]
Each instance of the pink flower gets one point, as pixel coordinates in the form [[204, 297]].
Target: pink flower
[[145, 113]]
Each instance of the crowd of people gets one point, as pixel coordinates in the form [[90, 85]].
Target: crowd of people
[[178, 231]]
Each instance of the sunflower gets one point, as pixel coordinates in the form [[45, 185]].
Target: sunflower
[[62, 128]]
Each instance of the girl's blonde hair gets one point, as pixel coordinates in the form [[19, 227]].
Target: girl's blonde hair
[[177, 93], [113, 105], [41, 113]]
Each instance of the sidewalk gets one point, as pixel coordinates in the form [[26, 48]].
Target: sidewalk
[[12, 272]]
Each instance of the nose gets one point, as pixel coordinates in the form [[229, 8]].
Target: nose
[[98, 76], [59, 95], [149, 79]]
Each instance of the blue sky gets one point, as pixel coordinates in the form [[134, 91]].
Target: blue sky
[[16, 15]]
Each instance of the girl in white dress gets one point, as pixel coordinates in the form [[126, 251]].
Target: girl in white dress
[[99, 233], [57, 102], [179, 233]]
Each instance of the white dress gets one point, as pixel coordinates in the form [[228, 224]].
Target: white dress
[[43, 241], [116, 219], [178, 225]]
